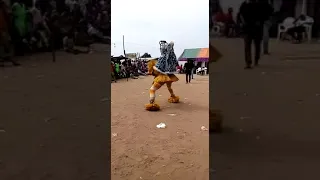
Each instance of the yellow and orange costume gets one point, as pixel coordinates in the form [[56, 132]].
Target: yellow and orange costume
[[160, 77], [158, 81]]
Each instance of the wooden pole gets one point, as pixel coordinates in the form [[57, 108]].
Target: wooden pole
[[53, 47], [125, 56], [124, 51]]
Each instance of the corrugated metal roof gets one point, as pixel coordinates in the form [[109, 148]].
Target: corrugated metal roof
[[204, 53], [195, 53], [190, 53]]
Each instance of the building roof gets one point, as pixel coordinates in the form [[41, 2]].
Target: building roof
[[198, 54]]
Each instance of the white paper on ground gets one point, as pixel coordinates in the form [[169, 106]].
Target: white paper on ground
[[161, 126]]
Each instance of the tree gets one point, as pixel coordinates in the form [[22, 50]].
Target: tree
[[146, 55]]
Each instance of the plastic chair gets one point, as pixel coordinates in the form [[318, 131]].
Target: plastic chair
[[284, 26], [216, 29], [308, 24]]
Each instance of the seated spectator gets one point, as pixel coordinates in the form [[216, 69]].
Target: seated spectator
[[298, 29], [19, 13], [229, 23], [40, 31], [69, 45], [220, 17]]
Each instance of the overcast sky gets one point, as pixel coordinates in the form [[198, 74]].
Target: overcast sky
[[145, 22]]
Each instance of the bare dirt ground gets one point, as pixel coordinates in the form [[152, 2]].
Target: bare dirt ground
[[54, 118], [141, 151], [271, 113]]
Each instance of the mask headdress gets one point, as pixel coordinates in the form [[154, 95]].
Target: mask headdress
[[171, 44], [167, 63], [170, 48], [163, 47]]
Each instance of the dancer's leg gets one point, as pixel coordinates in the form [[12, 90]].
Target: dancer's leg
[[170, 89], [173, 98], [153, 90]]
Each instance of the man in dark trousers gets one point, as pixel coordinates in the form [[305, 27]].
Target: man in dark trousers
[[188, 68], [268, 20], [252, 17]]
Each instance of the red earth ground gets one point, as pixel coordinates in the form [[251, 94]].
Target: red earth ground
[[54, 118], [55, 122], [142, 151], [271, 113]]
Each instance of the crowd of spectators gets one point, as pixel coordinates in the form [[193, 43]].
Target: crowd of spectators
[[128, 69], [28, 27]]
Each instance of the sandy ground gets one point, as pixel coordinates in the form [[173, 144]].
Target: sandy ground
[[271, 113], [141, 151], [54, 119], [55, 123]]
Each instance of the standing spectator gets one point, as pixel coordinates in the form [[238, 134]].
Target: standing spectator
[[268, 11], [193, 69], [179, 67], [229, 23], [188, 68], [220, 17], [113, 77], [117, 66], [126, 69], [19, 13], [40, 29], [220, 20], [251, 16], [5, 44], [53, 19]]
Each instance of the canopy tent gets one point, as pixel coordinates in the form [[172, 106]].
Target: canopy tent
[[197, 54], [148, 59], [117, 58]]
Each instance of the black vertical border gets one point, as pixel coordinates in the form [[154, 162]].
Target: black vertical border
[[214, 6], [62, 149]]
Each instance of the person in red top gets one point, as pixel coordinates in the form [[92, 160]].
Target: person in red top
[[230, 23], [229, 16], [179, 68], [220, 17]]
